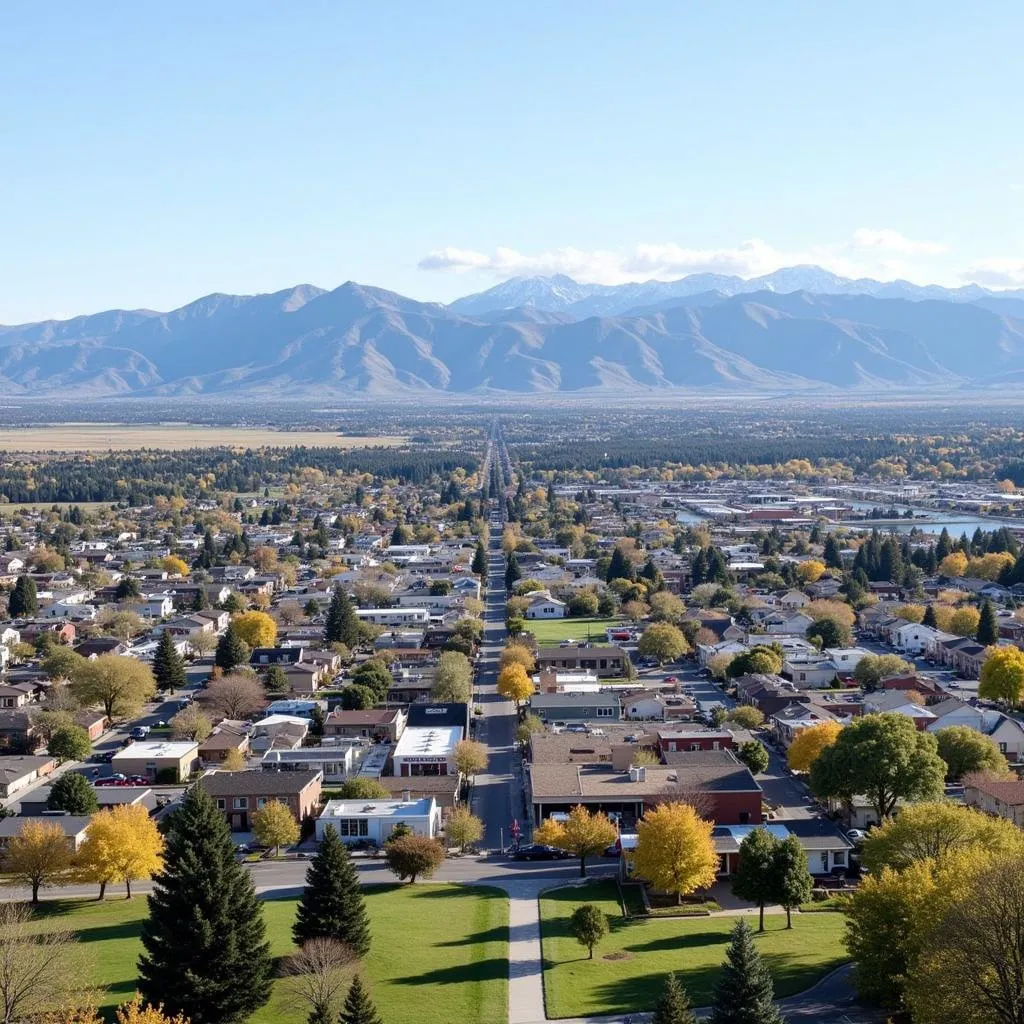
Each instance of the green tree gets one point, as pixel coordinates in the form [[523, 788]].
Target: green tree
[[663, 641], [205, 950], [231, 652], [23, 602], [744, 993], [754, 755], [358, 1008], [357, 698], [673, 1005], [747, 717], [479, 565], [588, 925], [966, 750], [988, 625], [73, 793], [342, 625], [452, 679], [882, 757], [168, 665], [792, 878], [873, 668], [275, 681], [830, 631], [759, 660], [332, 905], [755, 877], [119, 685], [362, 788], [413, 856], [70, 743]]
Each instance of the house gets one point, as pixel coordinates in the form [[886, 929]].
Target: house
[[17, 771], [16, 731], [226, 736], [73, 826], [793, 719], [1007, 733], [658, 706], [427, 751], [895, 702], [391, 617], [305, 677], [335, 762], [371, 725], [442, 788], [576, 707], [793, 600], [825, 847], [546, 608], [996, 796], [33, 805], [810, 670], [278, 732], [158, 760], [240, 794], [675, 740], [606, 661], [373, 821]]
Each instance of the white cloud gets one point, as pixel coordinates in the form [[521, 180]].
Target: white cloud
[[997, 272], [888, 240]]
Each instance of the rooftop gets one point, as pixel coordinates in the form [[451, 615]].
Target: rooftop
[[436, 741], [157, 748], [377, 808]]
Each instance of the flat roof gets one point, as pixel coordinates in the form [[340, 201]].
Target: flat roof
[[377, 808], [432, 741], [157, 748]]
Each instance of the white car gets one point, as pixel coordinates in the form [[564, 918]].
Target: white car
[[856, 835]]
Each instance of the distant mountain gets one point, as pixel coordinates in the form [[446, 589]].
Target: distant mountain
[[560, 294], [358, 340]]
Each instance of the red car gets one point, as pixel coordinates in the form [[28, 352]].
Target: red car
[[671, 679]]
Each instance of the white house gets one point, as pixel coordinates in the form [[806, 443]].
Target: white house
[[1006, 732], [373, 821], [73, 611], [546, 608], [912, 637], [155, 606], [394, 616]]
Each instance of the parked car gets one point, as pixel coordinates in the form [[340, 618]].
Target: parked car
[[537, 851], [140, 732], [117, 779], [856, 836], [671, 679]]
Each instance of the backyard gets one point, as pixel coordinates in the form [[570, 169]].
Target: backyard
[[631, 961], [554, 631], [440, 952]]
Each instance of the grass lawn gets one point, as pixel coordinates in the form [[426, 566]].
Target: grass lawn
[[554, 631], [695, 947], [440, 952]]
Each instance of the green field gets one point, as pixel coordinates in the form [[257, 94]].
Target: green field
[[553, 631], [440, 952], [643, 952]]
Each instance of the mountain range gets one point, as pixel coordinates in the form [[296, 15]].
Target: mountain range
[[799, 330]]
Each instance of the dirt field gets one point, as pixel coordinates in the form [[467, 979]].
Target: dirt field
[[101, 437]]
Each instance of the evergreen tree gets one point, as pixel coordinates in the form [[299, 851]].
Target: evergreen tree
[[232, 651], [988, 626], [205, 950], [358, 1008], [673, 1006], [200, 602], [744, 993], [342, 625], [620, 568], [168, 664], [512, 571], [929, 617], [332, 904], [832, 557], [479, 565], [275, 681], [23, 602], [126, 588]]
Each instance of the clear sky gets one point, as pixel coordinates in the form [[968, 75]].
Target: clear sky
[[153, 153]]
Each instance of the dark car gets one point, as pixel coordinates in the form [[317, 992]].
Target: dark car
[[537, 851], [103, 756]]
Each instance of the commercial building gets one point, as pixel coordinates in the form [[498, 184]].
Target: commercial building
[[158, 760], [427, 751], [373, 821]]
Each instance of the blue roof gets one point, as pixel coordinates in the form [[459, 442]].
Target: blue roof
[[740, 832]]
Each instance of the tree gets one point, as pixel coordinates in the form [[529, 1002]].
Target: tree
[[69, 743], [479, 565], [588, 925], [342, 625], [755, 877], [120, 686], [331, 906], [234, 761], [585, 834], [514, 684], [257, 629], [755, 756], [470, 757], [527, 727], [883, 757], [463, 828], [205, 949], [792, 877], [512, 571], [934, 830], [452, 679], [988, 626], [275, 681], [831, 632], [358, 1008], [23, 602], [810, 742], [363, 788], [174, 566], [810, 571], [191, 723], [873, 668], [72, 793], [663, 641], [674, 850], [759, 660], [966, 750], [232, 651], [965, 622], [275, 825], [168, 665], [413, 856], [929, 618], [317, 975], [673, 1005], [954, 564], [122, 844], [235, 696], [357, 698], [744, 993], [746, 717], [38, 855], [62, 663], [374, 675], [1002, 676], [518, 654]]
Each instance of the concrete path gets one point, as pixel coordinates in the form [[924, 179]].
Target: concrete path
[[525, 968]]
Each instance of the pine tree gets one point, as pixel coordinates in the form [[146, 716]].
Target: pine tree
[[332, 904], [744, 993], [944, 545], [988, 626], [929, 617], [168, 664], [512, 571], [205, 950], [23, 602], [620, 566], [232, 651], [833, 559], [342, 625], [673, 1006], [479, 565], [200, 602], [358, 1008]]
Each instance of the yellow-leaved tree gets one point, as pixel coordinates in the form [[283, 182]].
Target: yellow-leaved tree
[[137, 1012], [674, 850], [174, 566], [122, 844], [809, 743], [584, 835], [810, 571], [1002, 675], [954, 564], [257, 629], [514, 684], [275, 825], [518, 654], [38, 855]]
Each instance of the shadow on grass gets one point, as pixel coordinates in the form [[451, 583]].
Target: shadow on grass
[[492, 969], [499, 933], [109, 932], [436, 892]]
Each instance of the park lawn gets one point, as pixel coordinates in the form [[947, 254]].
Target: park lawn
[[554, 631], [440, 952], [694, 947]]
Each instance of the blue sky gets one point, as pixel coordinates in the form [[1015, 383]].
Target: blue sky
[[153, 153]]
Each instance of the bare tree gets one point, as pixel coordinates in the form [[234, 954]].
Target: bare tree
[[235, 695], [318, 977], [202, 643]]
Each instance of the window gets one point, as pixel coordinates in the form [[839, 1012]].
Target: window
[[353, 827], [221, 803], [1002, 748], [839, 858], [241, 803], [605, 712], [744, 817], [261, 801]]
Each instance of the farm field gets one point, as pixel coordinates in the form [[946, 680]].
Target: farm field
[[553, 631], [631, 961], [453, 963], [101, 437]]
